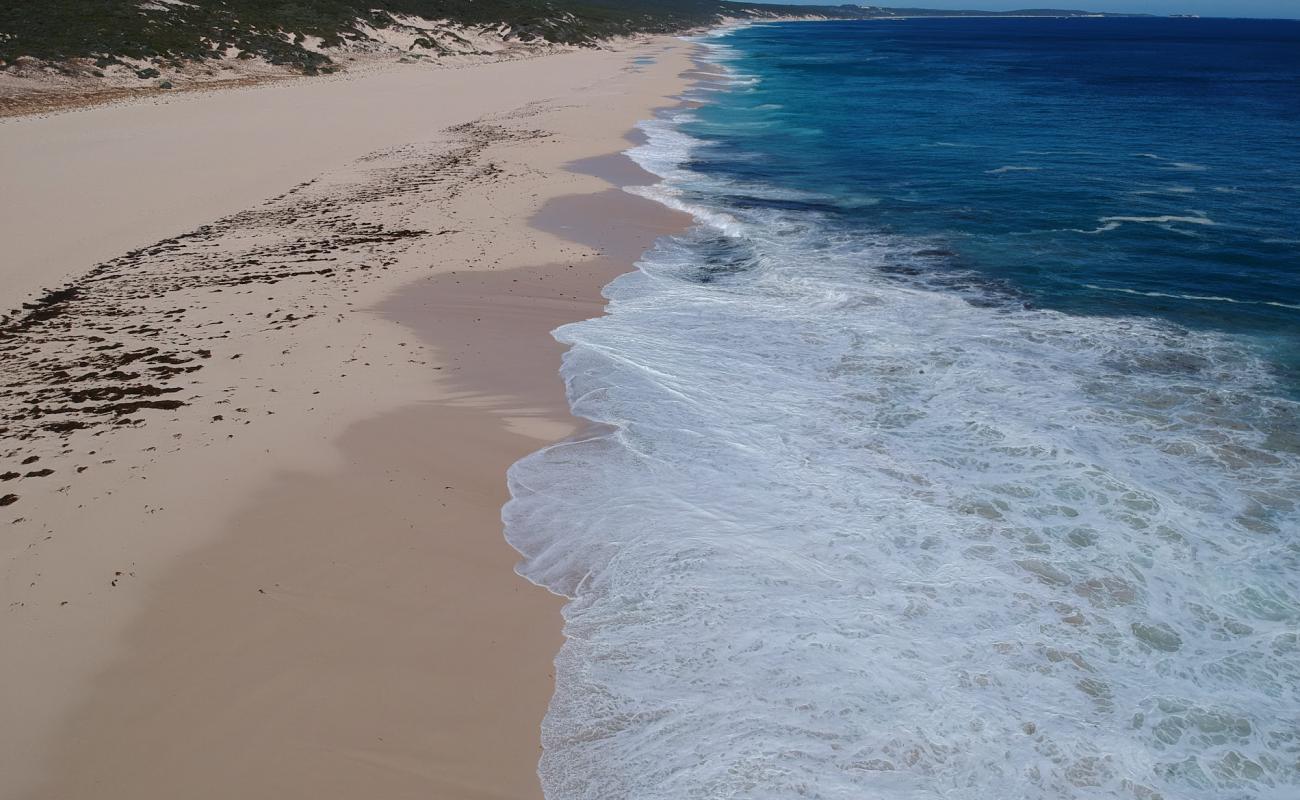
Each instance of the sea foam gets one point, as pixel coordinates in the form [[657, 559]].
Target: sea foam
[[845, 530]]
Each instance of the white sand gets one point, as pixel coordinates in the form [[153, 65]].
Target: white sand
[[295, 584], [84, 186]]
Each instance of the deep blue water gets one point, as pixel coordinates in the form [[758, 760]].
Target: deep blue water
[[1097, 166], [955, 451]]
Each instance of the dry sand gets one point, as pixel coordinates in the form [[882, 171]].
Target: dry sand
[[267, 561]]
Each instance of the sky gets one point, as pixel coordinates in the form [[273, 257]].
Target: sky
[[1210, 8]]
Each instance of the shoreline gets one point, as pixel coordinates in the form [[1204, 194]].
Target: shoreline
[[307, 635]]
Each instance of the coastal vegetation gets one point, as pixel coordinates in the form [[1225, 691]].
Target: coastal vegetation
[[300, 33], [278, 31]]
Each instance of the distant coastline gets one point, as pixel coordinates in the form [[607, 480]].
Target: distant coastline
[[67, 54]]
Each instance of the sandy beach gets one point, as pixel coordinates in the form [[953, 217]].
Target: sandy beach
[[271, 354]]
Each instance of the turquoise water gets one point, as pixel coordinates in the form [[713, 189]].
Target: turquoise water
[[1113, 167], [954, 451]]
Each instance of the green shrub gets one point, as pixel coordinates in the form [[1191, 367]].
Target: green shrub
[[106, 30]]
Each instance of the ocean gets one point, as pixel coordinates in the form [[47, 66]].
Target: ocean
[[955, 451]]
